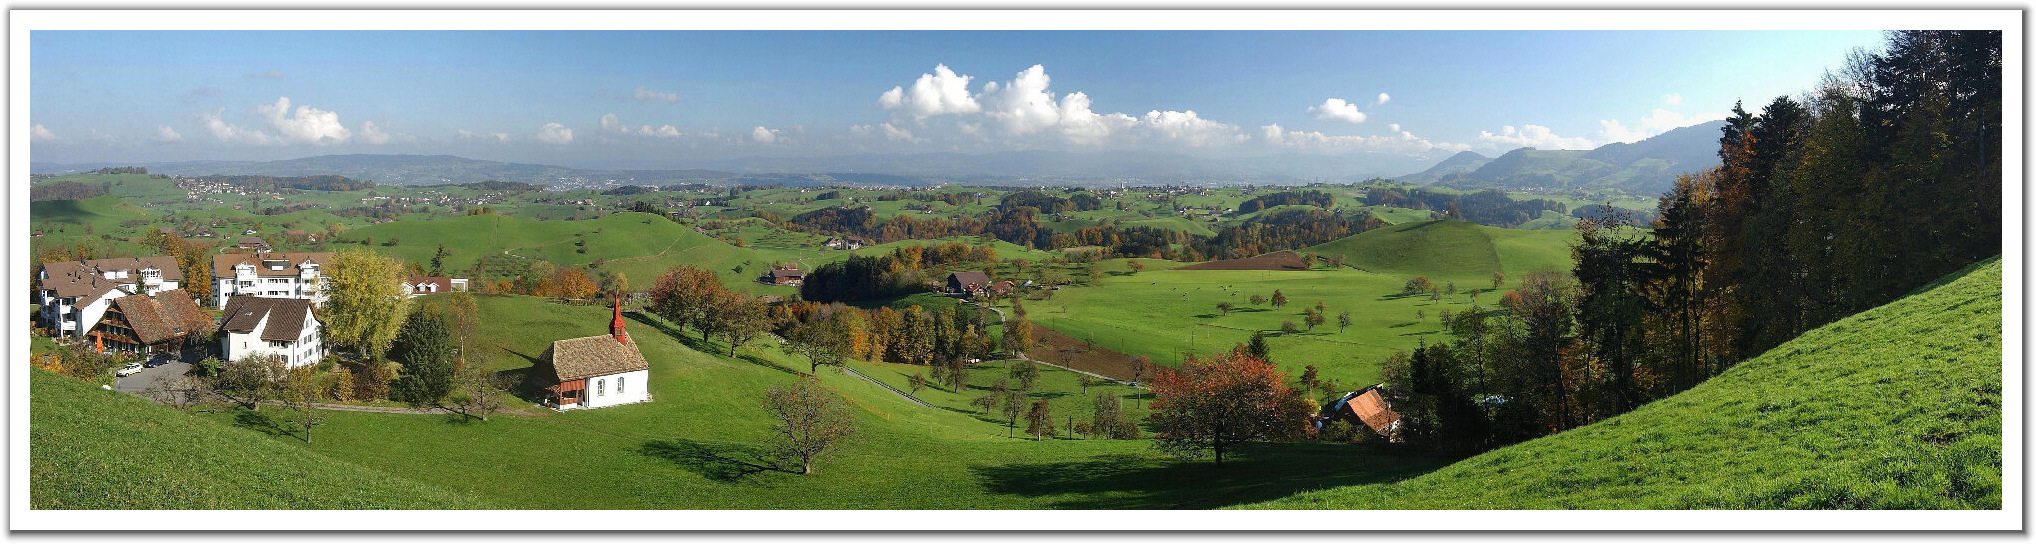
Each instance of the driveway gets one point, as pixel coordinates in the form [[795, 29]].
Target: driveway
[[141, 380]]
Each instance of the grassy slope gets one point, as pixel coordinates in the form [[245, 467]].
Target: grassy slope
[[1896, 407], [639, 245], [695, 444], [94, 449], [1459, 251]]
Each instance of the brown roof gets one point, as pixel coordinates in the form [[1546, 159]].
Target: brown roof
[[168, 315], [286, 316], [85, 279], [1371, 407], [444, 283], [577, 358], [970, 277], [222, 265], [788, 273]]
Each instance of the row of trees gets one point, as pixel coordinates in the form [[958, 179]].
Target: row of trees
[[1884, 178], [904, 270], [1487, 207]]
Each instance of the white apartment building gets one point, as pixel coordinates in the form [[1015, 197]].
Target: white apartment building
[[269, 275], [279, 326], [74, 295]]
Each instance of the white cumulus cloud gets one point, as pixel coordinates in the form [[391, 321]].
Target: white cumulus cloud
[[232, 134], [41, 134], [497, 136], [373, 134], [764, 136], [645, 94], [1186, 127], [941, 92], [163, 134], [1383, 98], [555, 134], [861, 130], [894, 133], [1338, 110], [305, 125], [1535, 136], [1656, 122], [1400, 141]]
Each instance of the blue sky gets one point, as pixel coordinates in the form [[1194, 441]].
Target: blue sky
[[605, 97]]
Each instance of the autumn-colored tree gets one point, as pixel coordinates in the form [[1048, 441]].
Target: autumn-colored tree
[[1225, 306], [739, 318], [1258, 300], [1216, 403], [365, 304], [1039, 420], [684, 295], [572, 283], [1026, 373], [300, 389], [1135, 265], [1417, 286], [1017, 336], [918, 382], [1279, 299]]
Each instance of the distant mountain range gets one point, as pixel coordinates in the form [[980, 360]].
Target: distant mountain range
[[1645, 167]]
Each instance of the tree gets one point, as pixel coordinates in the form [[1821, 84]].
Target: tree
[[372, 382], [462, 321], [1216, 403], [1308, 377], [1225, 306], [1498, 280], [1086, 381], [1109, 421], [572, 283], [918, 382], [1257, 347], [1279, 299], [365, 304], [1289, 327], [1343, 321], [809, 421], [438, 261], [301, 391], [1135, 265], [683, 296], [740, 318], [822, 343], [1017, 336], [1314, 317], [250, 380], [1258, 300], [425, 348], [1026, 373], [1039, 420], [994, 398], [1417, 286], [1013, 404], [1138, 365], [1421, 315], [477, 391]]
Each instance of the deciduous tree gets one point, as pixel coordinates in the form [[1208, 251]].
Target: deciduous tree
[[810, 421], [1039, 420], [1220, 402], [365, 304]]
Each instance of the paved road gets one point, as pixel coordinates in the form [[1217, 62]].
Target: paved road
[[140, 381]]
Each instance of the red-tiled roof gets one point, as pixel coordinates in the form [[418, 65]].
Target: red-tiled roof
[[1371, 407]]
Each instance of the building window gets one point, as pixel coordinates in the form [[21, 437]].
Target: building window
[[618, 384], [600, 387]]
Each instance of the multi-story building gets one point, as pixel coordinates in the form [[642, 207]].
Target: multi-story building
[[75, 294], [284, 327], [268, 274]]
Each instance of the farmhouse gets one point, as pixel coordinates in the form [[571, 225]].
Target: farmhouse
[[271, 326], [594, 371], [252, 244], [75, 294], [151, 324], [848, 242], [968, 282], [787, 276], [269, 274], [419, 286], [1367, 406]]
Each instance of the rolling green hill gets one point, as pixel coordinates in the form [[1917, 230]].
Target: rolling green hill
[[1458, 251], [639, 245], [1897, 407], [95, 449]]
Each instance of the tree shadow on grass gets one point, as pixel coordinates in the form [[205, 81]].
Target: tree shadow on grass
[[1250, 473], [725, 463], [264, 422]]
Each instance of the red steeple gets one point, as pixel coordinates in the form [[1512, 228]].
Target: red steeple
[[615, 327]]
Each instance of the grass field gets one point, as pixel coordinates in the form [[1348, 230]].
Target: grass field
[[96, 449], [1460, 251], [698, 444], [1164, 313], [1898, 407]]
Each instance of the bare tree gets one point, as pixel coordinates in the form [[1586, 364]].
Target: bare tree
[[248, 381], [810, 420], [476, 391]]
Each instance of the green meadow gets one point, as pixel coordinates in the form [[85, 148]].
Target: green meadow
[[1898, 407]]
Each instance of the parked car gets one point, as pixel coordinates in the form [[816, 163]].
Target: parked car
[[128, 370], [159, 359]]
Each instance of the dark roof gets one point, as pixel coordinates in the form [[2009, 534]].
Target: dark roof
[[168, 315], [286, 316], [788, 273], [977, 278], [577, 358], [86, 281], [222, 265]]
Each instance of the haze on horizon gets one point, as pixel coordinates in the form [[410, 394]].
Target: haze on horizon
[[662, 98]]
